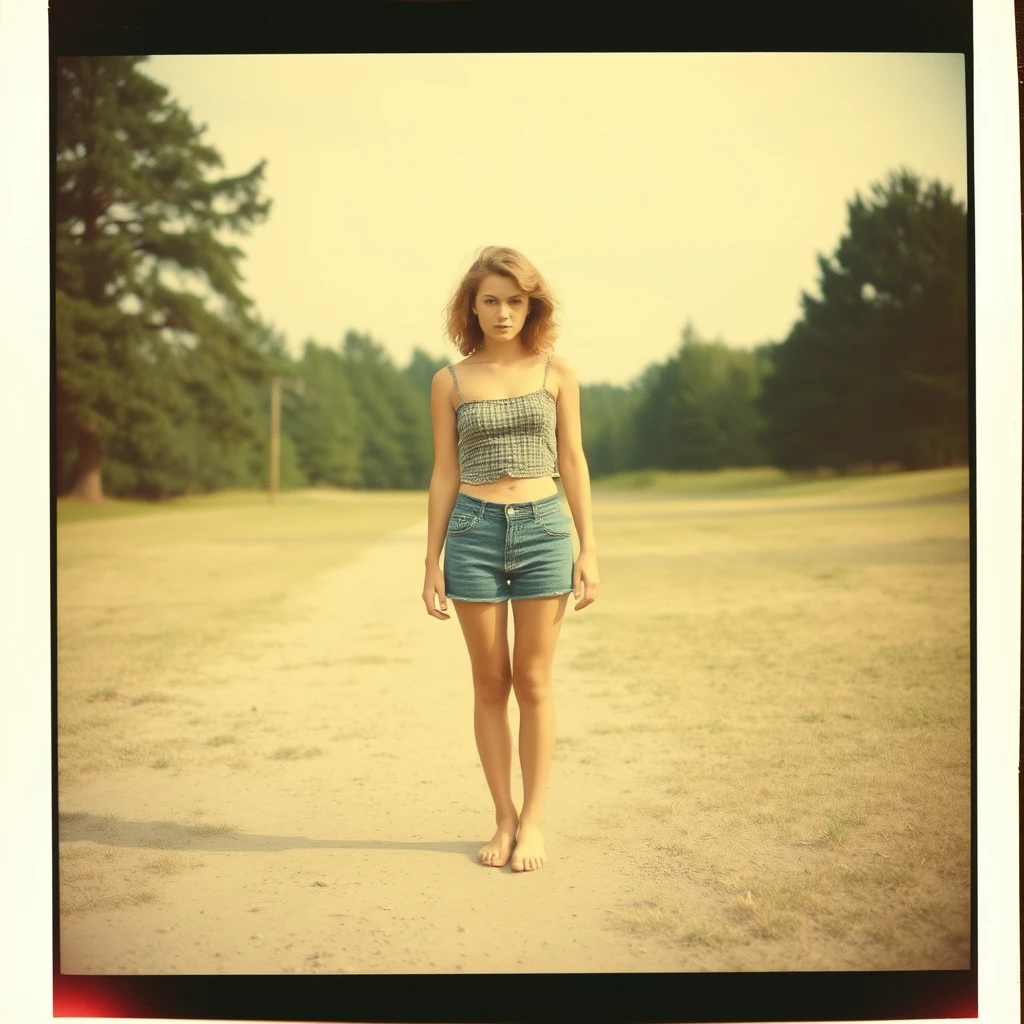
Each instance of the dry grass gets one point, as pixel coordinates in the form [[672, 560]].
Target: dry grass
[[94, 878], [795, 659], [295, 753], [811, 668], [146, 592], [208, 829]]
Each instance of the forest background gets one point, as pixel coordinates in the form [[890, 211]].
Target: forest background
[[164, 364]]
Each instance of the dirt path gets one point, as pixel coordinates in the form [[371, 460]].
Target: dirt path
[[362, 858]]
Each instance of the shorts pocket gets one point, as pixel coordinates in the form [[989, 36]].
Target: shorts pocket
[[555, 524], [461, 522]]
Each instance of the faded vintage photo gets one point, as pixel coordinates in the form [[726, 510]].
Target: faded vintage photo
[[512, 529]]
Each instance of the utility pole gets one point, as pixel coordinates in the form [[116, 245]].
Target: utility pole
[[298, 386]]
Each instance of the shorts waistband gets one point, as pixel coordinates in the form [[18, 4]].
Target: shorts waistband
[[500, 509]]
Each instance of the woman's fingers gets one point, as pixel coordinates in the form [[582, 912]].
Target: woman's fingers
[[428, 600], [585, 593]]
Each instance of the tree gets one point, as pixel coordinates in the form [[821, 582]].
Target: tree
[[362, 422], [699, 410], [153, 331], [608, 413], [397, 445], [876, 369], [421, 369], [323, 425]]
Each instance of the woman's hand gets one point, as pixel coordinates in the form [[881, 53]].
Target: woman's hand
[[585, 579], [433, 586]]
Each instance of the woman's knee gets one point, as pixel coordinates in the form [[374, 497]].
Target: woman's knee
[[532, 686], [492, 687]]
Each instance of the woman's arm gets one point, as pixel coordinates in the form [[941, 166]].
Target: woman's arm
[[445, 480], [575, 474]]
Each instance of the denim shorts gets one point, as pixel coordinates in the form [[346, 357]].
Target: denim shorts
[[495, 551]]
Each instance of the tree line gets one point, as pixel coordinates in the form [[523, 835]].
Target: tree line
[[163, 365]]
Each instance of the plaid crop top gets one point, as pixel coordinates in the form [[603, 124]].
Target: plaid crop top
[[506, 435]]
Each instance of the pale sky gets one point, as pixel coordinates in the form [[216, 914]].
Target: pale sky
[[648, 189]]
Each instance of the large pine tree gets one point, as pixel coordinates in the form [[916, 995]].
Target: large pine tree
[[153, 332], [876, 370]]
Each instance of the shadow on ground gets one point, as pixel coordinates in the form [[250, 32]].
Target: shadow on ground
[[201, 837]]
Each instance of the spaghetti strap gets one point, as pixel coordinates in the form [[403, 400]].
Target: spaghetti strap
[[451, 370], [546, 367]]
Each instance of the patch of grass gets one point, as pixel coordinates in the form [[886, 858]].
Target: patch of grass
[[163, 762], [287, 753], [835, 833], [104, 693], [221, 739], [687, 482], [811, 717], [152, 697], [646, 917], [766, 920], [171, 864], [208, 829], [705, 935], [90, 723], [74, 510], [132, 896]]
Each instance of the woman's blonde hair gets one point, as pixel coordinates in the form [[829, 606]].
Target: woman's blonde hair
[[463, 328]]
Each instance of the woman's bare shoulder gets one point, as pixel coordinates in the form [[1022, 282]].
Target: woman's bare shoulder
[[562, 368]]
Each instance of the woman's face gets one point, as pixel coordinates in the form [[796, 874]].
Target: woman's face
[[501, 308]]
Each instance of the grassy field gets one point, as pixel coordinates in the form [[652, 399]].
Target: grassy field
[[148, 594], [807, 658], [798, 652]]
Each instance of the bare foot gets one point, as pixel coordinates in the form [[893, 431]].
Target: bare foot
[[496, 853], [530, 853]]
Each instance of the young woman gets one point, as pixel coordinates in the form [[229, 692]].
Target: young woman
[[506, 421]]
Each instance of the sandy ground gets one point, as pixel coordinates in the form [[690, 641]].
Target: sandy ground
[[363, 859]]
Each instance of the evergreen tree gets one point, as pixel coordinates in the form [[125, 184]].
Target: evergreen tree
[[323, 425], [361, 422], [699, 408], [153, 331], [876, 369], [607, 415], [386, 460], [421, 369]]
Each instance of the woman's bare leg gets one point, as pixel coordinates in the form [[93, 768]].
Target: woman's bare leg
[[537, 624], [485, 627]]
